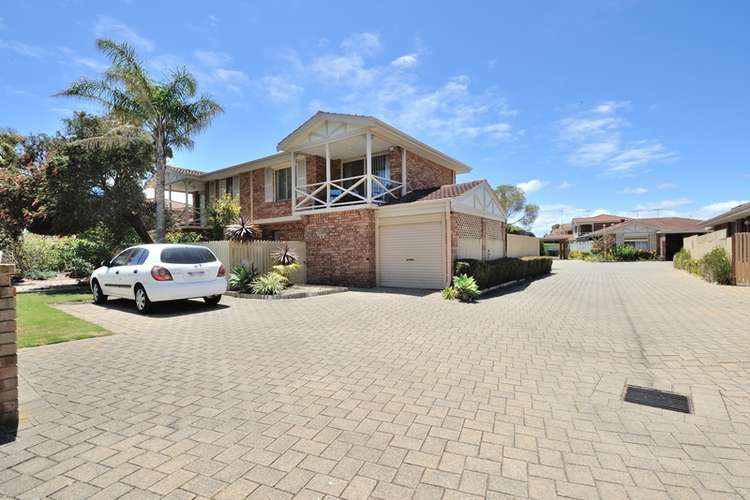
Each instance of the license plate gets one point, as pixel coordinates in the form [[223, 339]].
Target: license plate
[[195, 273]]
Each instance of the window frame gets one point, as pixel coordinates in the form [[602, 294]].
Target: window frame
[[276, 185]]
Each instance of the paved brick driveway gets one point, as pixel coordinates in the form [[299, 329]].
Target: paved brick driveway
[[396, 396]]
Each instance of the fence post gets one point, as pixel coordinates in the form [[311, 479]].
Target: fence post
[[8, 358]]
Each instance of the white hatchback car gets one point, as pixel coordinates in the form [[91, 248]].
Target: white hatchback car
[[156, 273]]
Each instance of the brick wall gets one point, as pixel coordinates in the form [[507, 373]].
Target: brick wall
[[341, 248], [422, 173], [8, 359], [288, 231], [261, 208]]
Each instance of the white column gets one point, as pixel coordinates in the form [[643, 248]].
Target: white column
[[368, 145], [403, 171], [293, 173], [169, 197], [328, 176]]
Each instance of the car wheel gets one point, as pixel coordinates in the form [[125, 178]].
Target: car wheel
[[142, 302], [212, 300], [99, 297]]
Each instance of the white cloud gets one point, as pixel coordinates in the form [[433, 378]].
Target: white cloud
[[610, 106], [564, 185], [597, 138], [719, 207], [22, 49], [559, 214], [405, 61], [531, 185], [666, 185], [279, 89], [362, 43], [213, 21], [108, 27], [211, 58], [451, 110], [635, 190], [90, 63]]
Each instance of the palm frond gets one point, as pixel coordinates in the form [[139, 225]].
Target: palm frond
[[182, 84]]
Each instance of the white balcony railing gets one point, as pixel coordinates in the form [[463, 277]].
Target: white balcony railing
[[344, 192]]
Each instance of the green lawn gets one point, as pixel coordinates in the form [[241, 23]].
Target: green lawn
[[40, 324]]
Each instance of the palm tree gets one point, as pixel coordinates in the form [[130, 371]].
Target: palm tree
[[167, 111]]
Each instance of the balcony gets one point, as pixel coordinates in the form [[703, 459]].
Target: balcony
[[355, 190]]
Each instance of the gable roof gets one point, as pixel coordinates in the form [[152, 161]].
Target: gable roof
[[437, 193], [738, 212], [663, 225], [599, 218], [381, 129]]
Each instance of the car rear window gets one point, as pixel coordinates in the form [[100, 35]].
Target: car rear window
[[187, 255]]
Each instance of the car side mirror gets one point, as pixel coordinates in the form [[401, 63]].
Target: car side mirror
[[105, 263]]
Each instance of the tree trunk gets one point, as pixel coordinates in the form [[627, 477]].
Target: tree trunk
[[159, 178], [137, 224]]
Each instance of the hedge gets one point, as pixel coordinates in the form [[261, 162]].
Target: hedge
[[495, 272]]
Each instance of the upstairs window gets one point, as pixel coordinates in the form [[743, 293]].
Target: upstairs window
[[229, 181], [282, 184]]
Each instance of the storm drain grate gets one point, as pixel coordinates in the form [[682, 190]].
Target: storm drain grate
[[657, 399]]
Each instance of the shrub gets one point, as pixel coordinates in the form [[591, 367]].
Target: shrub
[[183, 237], [494, 272], [79, 268], [222, 213], [40, 275], [42, 254], [577, 254], [625, 253], [241, 278], [268, 284], [465, 287], [716, 267], [449, 293], [683, 260]]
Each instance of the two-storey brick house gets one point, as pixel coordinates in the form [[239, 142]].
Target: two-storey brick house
[[374, 205]]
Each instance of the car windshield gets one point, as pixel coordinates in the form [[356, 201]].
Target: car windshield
[[187, 255]]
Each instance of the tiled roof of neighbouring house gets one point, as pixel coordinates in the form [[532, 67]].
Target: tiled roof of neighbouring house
[[735, 213], [662, 225], [599, 218], [437, 193]]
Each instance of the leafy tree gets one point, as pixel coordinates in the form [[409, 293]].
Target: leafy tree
[[87, 184], [167, 111], [222, 214], [513, 200], [61, 185]]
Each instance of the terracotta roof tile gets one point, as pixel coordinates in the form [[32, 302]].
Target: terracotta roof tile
[[437, 193]]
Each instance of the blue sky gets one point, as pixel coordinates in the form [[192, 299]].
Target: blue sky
[[631, 107]]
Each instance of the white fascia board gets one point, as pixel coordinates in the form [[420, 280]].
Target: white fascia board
[[413, 208]]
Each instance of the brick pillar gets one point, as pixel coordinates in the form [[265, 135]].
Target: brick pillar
[[8, 360]]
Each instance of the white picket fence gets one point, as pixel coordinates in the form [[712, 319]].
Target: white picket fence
[[257, 253]]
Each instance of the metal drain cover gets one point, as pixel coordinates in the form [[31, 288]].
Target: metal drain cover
[[657, 399]]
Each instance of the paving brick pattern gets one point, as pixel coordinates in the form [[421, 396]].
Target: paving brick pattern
[[367, 394]]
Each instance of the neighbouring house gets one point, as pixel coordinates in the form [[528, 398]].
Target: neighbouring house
[[662, 235], [585, 225], [731, 231], [374, 206], [557, 241]]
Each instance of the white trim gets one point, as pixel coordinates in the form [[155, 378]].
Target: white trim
[[469, 211], [368, 165], [413, 208], [271, 220], [293, 173], [403, 171]]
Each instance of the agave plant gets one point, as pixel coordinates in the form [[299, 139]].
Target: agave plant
[[242, 231], [284, 255], [268, 284], [241, 278]]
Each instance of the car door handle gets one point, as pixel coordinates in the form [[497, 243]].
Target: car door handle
[[135, 272], [117, 272]]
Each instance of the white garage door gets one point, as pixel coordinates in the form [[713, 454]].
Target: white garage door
[[412, 254]]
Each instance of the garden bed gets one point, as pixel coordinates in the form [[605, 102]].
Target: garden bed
[[292, 292]]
